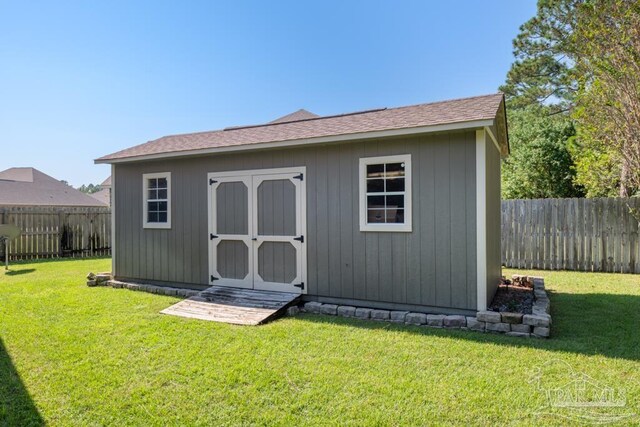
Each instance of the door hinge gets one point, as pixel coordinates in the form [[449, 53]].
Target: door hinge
[[299, 239], [300, 177], [212, 181], [214, 278], [299, 285], [212, 236]]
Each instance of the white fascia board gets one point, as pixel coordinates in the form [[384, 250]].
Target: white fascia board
[[306, 141], [493, 138]]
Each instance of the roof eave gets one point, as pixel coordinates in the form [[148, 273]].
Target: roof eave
[[472, 124]]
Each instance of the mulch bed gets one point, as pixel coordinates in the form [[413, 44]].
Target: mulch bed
[[513, 297]]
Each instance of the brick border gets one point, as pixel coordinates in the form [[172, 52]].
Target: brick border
[[537, 324], [104, 279]]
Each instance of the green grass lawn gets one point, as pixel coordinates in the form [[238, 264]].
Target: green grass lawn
[[73, 355]]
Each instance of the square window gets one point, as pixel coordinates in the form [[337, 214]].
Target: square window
[[157, 203], [385, 193]]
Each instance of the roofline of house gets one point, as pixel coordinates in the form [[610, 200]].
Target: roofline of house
[[42, 205], [473, 124]]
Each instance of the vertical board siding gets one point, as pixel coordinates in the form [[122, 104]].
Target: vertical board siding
[[434, 265], [493, 220], [56, 232], [571, 234]]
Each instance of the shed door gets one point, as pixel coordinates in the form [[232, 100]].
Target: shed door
[[257, 226], [230, 237], [278, 236]]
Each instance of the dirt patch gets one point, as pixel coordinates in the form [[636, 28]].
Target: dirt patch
[[514, 298]]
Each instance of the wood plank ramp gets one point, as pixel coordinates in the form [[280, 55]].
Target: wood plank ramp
[[233, 305]]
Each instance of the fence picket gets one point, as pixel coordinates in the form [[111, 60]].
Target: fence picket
[[49, 232], [574, 234]]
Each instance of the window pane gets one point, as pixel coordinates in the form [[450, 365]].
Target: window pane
[[395, 184], [153, 183], [162, 182], [395, 169], [375, 171], [162, 194], [153, 194], [152, 206], [375, 216], [374, 202], [162, 206], [162, 217], [152, 217], [395, 201], [375, 185], [395, 216]]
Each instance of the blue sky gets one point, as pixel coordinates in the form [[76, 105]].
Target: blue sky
[[82, 79]]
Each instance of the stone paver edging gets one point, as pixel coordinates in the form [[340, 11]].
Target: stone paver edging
[[104, 279], [537, 324]]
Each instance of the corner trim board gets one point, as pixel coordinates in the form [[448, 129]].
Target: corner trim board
[[112, 194], [481, 219]]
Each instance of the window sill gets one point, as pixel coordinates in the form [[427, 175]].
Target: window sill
[[161, 226], [387, 228]]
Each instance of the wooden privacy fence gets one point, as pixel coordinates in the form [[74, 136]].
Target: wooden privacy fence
[[52, 232], [571, 234]]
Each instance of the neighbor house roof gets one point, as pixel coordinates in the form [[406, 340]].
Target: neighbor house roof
[[302, 127], [301, 114], [103, 195], [30, 187]]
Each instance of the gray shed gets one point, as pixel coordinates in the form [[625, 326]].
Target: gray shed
[[394, 208]]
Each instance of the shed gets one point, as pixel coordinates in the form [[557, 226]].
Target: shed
[[395, 208]]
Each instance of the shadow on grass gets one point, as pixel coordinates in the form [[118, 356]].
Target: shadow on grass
[[16, 406], [13, 272], [52, 260], [589, 324]]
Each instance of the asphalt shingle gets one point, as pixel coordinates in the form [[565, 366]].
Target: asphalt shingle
[[305, 126]]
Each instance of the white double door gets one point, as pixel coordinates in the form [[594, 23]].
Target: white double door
[[257, 225]]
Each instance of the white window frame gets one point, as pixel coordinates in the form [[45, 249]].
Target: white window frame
[[145, 199], [362, 178]]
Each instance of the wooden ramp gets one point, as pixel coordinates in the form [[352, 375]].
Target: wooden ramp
[[233, 305]]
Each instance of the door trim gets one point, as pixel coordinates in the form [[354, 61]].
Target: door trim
[[248, 174]]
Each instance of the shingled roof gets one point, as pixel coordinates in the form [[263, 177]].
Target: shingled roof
[[301, 128], [301, 114], [30, 187]]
